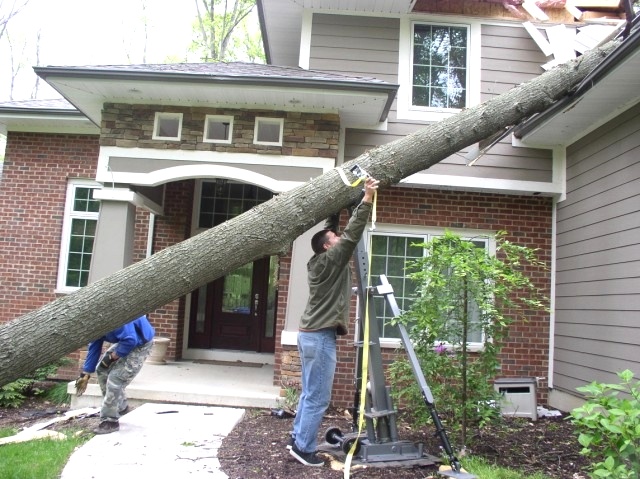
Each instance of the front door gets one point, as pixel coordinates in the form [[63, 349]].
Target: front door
[[237, 311]]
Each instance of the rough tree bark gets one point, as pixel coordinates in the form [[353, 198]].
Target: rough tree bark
[[43, 336]]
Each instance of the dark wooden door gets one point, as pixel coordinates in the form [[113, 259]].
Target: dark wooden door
[[237, 311]]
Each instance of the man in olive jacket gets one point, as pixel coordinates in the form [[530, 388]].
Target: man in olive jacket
[[326, 316]]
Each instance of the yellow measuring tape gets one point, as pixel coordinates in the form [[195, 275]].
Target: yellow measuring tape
[[365, 339]]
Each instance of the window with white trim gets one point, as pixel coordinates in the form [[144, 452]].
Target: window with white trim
[[439, 69], [78, 234], [268, 131], [167, 126], [390, 252], [218, 129]]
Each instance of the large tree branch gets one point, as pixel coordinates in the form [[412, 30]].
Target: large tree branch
[[70, 322]]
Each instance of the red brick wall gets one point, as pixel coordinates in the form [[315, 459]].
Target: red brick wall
[[528, 222], [33, 191], [171, 228], [32, 200]]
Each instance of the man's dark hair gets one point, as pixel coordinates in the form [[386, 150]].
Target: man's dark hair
[[318, 240]]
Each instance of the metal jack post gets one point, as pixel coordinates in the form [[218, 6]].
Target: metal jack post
[[380, 443], [386, 290]]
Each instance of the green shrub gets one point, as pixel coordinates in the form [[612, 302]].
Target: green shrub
[[16, 392], [609, 427], [464, 295], [58, 394]]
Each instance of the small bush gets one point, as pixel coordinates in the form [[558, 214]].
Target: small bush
[[609, 427], [58, 394], [15, 393]]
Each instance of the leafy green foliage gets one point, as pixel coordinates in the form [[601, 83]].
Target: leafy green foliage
[[482, 469], [291, 396], [609, 427], [57, 394], [463, 295], [16, 392], [221, 32]]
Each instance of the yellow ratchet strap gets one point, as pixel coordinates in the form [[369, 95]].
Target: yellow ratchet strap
[[365, 356]]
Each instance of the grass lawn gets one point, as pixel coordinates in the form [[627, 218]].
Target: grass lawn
[[37, 459]]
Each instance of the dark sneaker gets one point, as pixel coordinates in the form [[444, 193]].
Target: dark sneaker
[[291, 442], [306, 458], [106, 427]]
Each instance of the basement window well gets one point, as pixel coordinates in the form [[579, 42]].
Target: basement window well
[[167, 126]]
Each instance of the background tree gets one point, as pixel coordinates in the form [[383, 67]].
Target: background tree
[[42, 336], [219, 22], [8, 10], [464, 295]]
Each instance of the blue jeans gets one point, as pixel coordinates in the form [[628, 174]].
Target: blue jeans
[[318, 359]]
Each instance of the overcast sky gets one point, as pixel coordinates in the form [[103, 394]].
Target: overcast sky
[[92, 32]]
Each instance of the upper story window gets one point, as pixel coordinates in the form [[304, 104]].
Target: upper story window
[[439, 70], [218, 129], [268, 131], [167, 126], [78, 235]]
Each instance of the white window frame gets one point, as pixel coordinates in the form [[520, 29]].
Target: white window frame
[[69, 216], [269, 121], [424, 235], [160, 116], [406, 110], [219, 119]]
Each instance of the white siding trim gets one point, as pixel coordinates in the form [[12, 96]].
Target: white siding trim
[[552, 293], [559, 172], [305, 39], [128, 196], [483, 184], [213, 164]]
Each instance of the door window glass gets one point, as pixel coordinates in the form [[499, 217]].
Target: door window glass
[[221, 200], [236, 291], [272, 290]]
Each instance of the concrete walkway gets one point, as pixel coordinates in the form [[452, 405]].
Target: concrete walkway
[[158, 440]]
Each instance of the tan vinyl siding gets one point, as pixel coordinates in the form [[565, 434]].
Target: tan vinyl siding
[[597, 332], [509, 57], [366, 46], [369, 46]]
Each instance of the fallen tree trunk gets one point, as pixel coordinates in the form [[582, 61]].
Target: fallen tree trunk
[[43, 336]]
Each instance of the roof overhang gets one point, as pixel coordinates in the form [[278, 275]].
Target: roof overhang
[[613, 87], [51, 116], [360, 102]]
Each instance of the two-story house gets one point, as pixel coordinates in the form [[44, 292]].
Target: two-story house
[[149, 155]]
